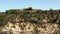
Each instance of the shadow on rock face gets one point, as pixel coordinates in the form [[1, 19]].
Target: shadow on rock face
[[5, 32]]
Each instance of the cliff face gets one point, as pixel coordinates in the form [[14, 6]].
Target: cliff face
[[27, 27], [30, 21]]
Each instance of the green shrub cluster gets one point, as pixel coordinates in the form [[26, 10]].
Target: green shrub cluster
[[31, 15]]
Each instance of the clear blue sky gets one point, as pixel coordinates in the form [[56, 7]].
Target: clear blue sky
[[40, 4]]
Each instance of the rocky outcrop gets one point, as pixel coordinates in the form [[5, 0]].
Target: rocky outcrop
[[28, 28]]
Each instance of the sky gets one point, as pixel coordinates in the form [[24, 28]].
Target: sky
[[37, 4]]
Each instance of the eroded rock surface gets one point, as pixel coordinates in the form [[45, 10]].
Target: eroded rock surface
[[29, 28]]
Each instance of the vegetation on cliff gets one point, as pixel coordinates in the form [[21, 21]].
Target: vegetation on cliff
[[36, 18]]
